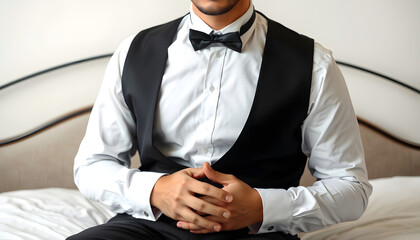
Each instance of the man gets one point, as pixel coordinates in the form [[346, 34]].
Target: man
[[224, 106]]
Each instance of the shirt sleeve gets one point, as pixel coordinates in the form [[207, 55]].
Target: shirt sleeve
[[331, 140], [102, 165]]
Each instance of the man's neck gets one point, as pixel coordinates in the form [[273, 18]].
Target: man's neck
[[218, 22]]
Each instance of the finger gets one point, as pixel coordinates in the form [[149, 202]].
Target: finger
[[206, 189], [197, 229], [216, 176], [214, 201], [201, 213], [205, 207], [202, 231], [195, 172], [193, 218], [194, 228], [183, 223], [188, 226]]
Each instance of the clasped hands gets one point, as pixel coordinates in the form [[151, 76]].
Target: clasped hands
[[232, 207]]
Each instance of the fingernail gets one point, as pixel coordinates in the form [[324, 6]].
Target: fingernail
[[217, 228], [226, 215], [179, 224], [228, 198]]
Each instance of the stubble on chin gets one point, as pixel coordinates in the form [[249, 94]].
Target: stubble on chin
[[215, 10]]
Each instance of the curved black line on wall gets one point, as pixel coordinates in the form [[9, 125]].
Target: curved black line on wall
[[379, 75], [45, 126], [387, 134], [53, 69], [110, 54]]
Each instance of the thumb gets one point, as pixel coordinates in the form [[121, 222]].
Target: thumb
[[216, 176]]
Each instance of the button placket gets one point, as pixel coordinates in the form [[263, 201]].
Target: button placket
[[210, 102]]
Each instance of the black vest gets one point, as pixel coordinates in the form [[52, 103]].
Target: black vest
[[267, 153]]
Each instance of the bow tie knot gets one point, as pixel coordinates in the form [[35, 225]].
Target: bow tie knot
[[218, 37], [200, 40]]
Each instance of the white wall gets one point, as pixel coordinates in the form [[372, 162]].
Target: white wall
[[381, 35]]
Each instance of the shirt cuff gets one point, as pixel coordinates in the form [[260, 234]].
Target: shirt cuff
[[139, 192], [277, 211]]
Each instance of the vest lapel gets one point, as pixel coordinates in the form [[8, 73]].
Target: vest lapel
[[141, 84]]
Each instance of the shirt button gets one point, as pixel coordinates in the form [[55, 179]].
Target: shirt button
[[220, 54], [146, 214], [212, 88], [270, 228]]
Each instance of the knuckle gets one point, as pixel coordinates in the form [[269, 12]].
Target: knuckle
[[222, 195], [177, 197], [201, 207], [183, 183], [195, 220], [206, 188]]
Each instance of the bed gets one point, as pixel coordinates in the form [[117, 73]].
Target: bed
[[38, 199]]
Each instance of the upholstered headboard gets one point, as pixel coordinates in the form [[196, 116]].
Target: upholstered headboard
[[42, 156]]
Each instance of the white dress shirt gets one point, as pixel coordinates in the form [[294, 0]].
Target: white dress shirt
[[204, 102]]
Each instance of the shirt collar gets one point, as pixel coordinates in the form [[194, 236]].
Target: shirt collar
[[198, 24]]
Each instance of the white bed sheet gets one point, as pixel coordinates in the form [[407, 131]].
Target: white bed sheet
[[50, 213], [55, 213]]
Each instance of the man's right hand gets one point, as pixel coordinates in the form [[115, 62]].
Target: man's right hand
[[174, 195]]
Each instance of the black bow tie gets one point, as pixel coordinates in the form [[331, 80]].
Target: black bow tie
[[200, 40]]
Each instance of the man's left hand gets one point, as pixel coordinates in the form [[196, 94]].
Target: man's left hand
[[246, 208]]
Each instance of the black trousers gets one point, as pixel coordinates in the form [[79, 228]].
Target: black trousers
[[126, 227]]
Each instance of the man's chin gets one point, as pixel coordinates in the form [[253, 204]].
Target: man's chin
[[215, 10]]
